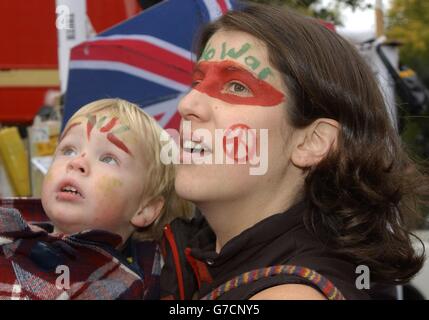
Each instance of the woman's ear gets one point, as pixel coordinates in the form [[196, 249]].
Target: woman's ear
[[315, 142], [148, 214]]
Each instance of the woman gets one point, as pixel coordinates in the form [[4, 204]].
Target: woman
[[338, 189]]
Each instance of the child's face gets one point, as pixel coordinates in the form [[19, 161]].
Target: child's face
[[96, 180]]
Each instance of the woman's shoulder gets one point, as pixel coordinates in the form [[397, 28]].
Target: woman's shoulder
[[289, 292]]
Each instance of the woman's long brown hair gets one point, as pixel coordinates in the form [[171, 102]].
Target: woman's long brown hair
[[364, 195]]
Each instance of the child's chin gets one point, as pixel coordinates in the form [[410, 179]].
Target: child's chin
[[65, 223], [65, 229]]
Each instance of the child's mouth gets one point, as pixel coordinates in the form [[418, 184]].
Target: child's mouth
[[72, 190], [69, 191]]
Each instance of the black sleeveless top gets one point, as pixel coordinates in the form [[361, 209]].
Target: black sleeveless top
[[281, 239]]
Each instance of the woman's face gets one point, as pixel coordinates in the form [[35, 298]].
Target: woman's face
[[235, 89]]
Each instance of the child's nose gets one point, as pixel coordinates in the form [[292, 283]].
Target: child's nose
[[79, 164]]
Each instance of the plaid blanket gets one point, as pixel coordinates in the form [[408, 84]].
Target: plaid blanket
[[35, 265]]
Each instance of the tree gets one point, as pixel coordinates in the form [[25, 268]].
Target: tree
[[321, 9], [408, 22]]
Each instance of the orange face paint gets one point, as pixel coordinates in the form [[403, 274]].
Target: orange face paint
[[213, 77]]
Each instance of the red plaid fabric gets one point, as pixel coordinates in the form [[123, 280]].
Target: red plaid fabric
[[31, 209], [37, 265]]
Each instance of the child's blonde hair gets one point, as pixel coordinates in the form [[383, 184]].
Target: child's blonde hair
[[159, 178]]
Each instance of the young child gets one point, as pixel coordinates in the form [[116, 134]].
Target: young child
[[106, 188]]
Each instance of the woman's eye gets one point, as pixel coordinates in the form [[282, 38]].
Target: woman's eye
[[67, 151], [109, 160], [238, 88]]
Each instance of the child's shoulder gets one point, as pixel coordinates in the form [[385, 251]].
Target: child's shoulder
[[11, 222]]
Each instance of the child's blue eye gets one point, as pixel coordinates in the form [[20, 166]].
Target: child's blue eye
[[67, 151], [109, 160]]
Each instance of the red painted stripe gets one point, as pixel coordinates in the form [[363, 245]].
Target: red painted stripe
[[222, 5], [213, 77], [89, 127], [155, 60], [170, 237], [112, 138], [109, 125], [91, 122]]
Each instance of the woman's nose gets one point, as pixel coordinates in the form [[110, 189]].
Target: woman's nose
[[195, 106], [79, 164]]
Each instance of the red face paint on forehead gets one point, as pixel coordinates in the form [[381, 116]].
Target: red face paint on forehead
[[112, 138], [111, 135], [214, 76], [92, 119], [109, 125]]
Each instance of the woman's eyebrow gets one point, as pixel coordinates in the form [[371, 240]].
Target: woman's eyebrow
[[238, 68], [68, 129], [226, 66]]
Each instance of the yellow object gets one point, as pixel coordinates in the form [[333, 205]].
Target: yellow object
[[14, 155], [43, 139], [29, 78], [407, 73]]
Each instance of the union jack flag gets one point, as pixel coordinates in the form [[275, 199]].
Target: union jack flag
[[147, 60]]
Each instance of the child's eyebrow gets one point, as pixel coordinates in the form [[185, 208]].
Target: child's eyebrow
[[68, 129]]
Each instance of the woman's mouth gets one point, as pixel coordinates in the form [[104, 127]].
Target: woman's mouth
[[195, 147]]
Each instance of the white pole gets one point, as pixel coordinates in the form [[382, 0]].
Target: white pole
[[71, 24]]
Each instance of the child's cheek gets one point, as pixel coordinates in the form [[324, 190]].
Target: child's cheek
[[109, 201], [108, 186], [48, 177]]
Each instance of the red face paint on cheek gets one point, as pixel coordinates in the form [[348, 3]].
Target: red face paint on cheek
[[239, 142], [213, 77]]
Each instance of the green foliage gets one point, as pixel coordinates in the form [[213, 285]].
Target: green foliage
[[408, 22], [316, 8]]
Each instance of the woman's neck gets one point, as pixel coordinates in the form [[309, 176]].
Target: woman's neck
[[228, 219]]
